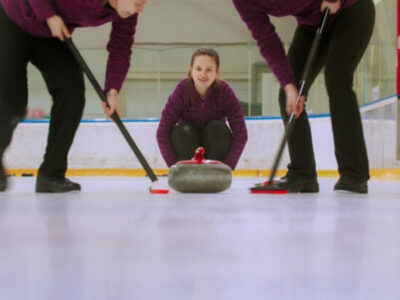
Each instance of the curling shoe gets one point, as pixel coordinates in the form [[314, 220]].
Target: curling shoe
[[297, 184], [350, 184], [55, 185]]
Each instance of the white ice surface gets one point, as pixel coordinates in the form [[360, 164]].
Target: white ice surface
[[115, 240]]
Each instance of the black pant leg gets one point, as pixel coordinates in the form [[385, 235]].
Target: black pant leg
[[15, 51], [350, 37], [65, 83], [184, 140], [217, 139], [301, 152]]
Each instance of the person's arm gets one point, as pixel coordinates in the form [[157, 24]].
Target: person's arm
[[272, 50], [235, 116], [44, 12], [269, 43], [120, 50], [42, 9], [119, 59], [170, 115]]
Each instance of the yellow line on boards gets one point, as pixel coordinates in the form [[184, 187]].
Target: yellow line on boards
[[383, 174]]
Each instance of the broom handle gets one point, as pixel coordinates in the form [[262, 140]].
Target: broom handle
[[114, 116], [290, 124]]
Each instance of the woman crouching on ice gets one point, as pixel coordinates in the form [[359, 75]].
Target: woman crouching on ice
[[196, 112]]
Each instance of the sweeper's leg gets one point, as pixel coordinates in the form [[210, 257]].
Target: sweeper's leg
[[15, 48], [64, 80], [301, 176], [350, 37]]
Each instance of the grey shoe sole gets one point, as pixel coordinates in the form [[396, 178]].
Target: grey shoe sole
[[51, 191], [345, 190]]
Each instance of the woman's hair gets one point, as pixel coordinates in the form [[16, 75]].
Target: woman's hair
[[208, 52], [199, 52]]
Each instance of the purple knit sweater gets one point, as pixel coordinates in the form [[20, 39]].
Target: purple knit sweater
[[255, 14], [31, 16], [220, 103]]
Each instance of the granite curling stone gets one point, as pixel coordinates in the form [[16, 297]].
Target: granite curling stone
[[199, 175]]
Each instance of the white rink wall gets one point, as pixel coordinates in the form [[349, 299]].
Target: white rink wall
[[101, 145]]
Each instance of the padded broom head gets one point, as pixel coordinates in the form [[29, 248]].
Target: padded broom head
[[158, 188], [266, 188]]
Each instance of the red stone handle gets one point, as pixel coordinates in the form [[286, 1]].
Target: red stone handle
[[198, 158]]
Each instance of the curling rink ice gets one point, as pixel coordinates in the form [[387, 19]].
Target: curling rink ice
[[115, 240]]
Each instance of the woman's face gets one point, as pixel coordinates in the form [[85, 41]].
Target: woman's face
[[127, 8], [204, 71]]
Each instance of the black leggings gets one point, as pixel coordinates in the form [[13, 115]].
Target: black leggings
[[340, 52], [216, 139], [64, 80]]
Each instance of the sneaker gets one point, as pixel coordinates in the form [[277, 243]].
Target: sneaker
[[297, 184], [350, 184], [58, 185], [3, 179]]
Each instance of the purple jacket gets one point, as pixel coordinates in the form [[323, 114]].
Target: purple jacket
[[220, 103], [31, 16], [255, 14]]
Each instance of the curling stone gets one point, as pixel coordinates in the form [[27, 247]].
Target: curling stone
[[199, 175]]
